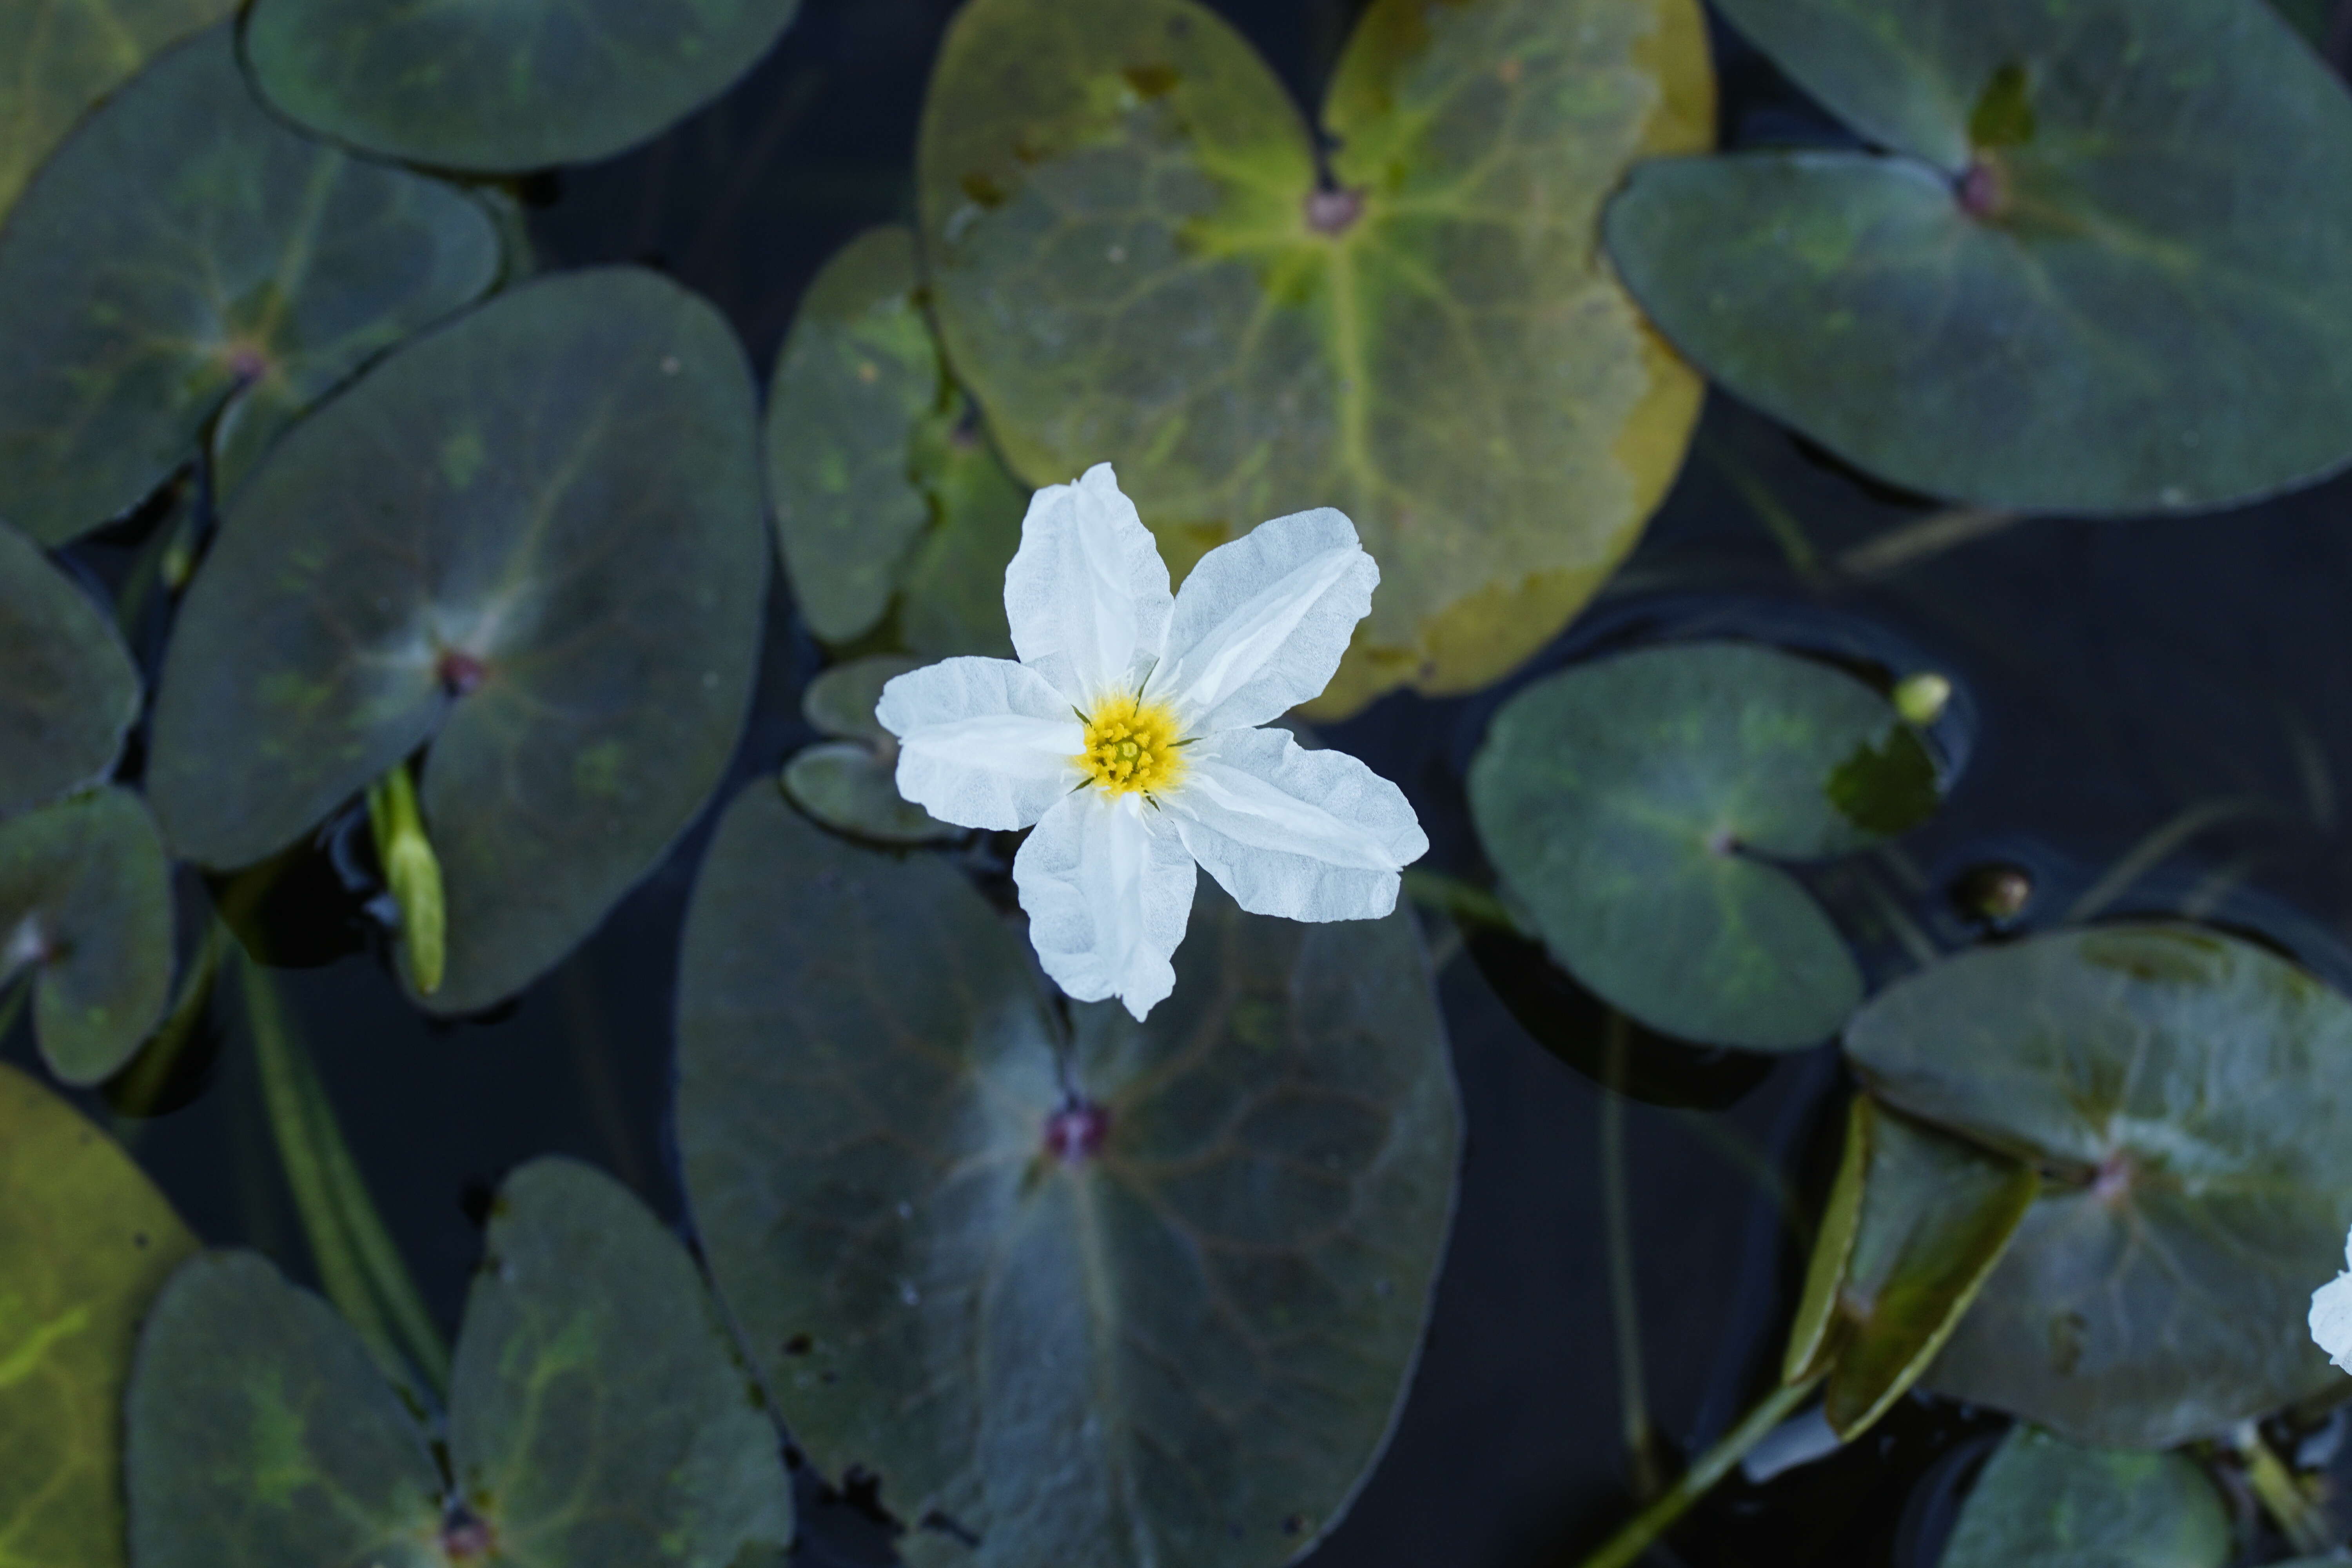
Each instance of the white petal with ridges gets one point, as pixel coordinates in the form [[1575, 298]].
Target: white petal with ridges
[[1087, 595], [1262, 622], [1309, 836], [982, 743], [2331, 1315], [1109, 889]]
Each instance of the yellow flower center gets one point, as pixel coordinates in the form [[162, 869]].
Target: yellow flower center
[[1131, 747]]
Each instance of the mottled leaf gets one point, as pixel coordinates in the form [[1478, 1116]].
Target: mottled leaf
[[1136, 258], [2180, 1092], [86, 905], [502, 85], [85, 1243], [1637, 806], [68, 691], [1149, 1295], [880, 480], [2041, 1503], [2061, 286], [185, 263], [532, 539]]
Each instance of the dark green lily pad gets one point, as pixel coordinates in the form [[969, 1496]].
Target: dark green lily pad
[[2041, 1503], [2058, 288], [880, 480], [1916, 1224], [552, 570], [1151, 1294], [64, 55], [1132, 261], [85, 1243], [184, 257], [502, 86], [598, 1415], [1636, 806], [69, 692], [2182, 1092], [86, 905]]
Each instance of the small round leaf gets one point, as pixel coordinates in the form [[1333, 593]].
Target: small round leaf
[[185, 257], [69, 692], [848, 787], [2041, 1503], [2183, 1093]]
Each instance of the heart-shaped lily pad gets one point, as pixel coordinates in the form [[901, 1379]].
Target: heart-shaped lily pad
[[598, 1417], [69, 692], [85, 1243], [532, 538], [64, 55], [497, 86], [848, 783], [1147, 1295], [2059, 287], [2182, 1092], [1915, 1224], [185, 258], [875, 467], [1636, 806], [1137, 259], [86, 906], [2042, 1502]]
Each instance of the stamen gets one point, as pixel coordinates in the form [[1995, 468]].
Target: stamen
[[1131, 747]]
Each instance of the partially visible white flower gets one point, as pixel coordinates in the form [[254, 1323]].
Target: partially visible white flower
[[1128, 736], [2331, 1314]]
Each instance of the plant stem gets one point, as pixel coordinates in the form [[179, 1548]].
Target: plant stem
[[2303, 1521], [1637, 1534], [1434, 889], [358, 1264], [1624, 1301]]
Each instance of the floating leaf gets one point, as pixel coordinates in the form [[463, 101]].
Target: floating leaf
[[1136, 258], [69, 692], [875, 465], [2180, 1090], [1636, 806], [552, 570], [2042, 1502], [85, 1243], [64, 55], [2059, 288], [184, 257], [841, 701], [86, 904], [1149, 1295], [598, 1417], [849, 784], [502, 86], [1915, 1223]]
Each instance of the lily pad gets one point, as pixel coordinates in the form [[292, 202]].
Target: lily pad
[[2056, 289], [503, 86], [1916, 1224], [880, 478], [598, 1415], [2042, 1502], [1136, 258], [86, 905], [1148, 1294], [848, 783], [85, 1243], [66, 56], [1638, 805], [184, 264], [2180, 1092], [531, 539], [69, 692]]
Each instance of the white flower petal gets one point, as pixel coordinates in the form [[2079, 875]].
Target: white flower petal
[[1261, 624], [982, 743], [1310, 836], [1109, 888], [1087, 595], [2331, 1319]]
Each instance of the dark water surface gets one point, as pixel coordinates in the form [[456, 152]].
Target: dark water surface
[[2177, 691]]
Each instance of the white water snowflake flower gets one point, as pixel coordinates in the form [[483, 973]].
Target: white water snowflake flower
[[1129, 735], [2331, 1314]]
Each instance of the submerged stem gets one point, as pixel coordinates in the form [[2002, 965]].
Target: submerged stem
[[1624, 1302], [2302, 1521], [1637, 1534], [1464, 902]]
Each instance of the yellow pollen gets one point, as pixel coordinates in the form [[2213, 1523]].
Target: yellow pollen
[[1131, 747]]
